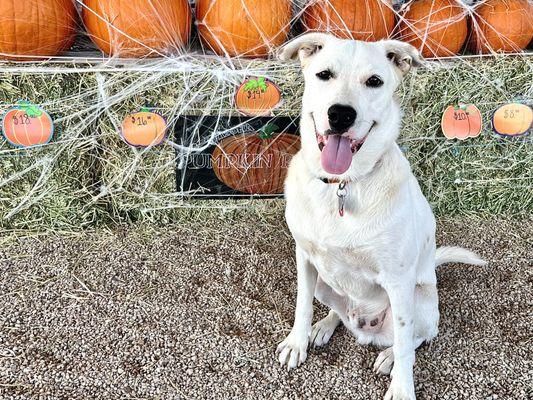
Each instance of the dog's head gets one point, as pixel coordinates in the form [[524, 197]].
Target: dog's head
[[349, 116]]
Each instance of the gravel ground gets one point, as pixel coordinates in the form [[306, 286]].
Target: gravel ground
[[196, 312]]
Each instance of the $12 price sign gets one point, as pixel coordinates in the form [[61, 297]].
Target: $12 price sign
[[27, 125]]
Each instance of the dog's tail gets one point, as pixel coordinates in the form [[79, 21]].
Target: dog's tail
[[447, 254]]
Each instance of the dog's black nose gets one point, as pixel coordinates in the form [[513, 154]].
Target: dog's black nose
[[341, 117]]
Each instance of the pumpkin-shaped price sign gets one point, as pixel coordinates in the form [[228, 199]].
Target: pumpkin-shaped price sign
[[27, 125], [512, 119], [144, 129], [257, 97], [255, 163], [461, 122]]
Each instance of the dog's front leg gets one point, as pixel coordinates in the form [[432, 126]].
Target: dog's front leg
[[401, 296], [293, 350]]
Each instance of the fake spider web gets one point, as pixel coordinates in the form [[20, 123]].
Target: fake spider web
[[87, 175]]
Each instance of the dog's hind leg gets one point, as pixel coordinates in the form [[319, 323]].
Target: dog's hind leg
[[385, 360], [327, 296], [324, 328]]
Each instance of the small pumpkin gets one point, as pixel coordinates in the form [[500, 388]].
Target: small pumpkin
[[255, 163], [249, 28], [461, 122], [138, 28], [31, 29], [369, 20], [512, 119], [438, 28], [27, 125], [144, 129], [257, 97], [501, 25]]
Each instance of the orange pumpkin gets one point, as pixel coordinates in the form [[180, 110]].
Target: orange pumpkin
[[512, 119], [144, 129], [247, 28], [255, 164], [257, 97], [501, 25], [138, 28], [36, 28], [369, 20], [461, 122], [27, 125], [438, 28]]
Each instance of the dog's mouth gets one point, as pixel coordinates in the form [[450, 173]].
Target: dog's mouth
[[337, 151], [355, 145]]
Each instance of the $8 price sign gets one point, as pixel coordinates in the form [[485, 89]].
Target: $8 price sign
[[512, 119]]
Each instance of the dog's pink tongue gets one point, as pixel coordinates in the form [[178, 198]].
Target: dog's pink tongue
[[336, 155]]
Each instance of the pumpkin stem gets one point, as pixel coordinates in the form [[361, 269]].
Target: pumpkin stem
[[32, 110], [267, 131], [262, 84], [252, 84]]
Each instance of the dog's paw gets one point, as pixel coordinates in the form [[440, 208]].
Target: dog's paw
[[400, 390], [384, 362], [323, 330], [293, 350]]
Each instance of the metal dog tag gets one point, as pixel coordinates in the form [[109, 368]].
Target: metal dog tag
[[341, 194]]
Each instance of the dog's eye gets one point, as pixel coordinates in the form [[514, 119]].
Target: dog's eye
[[325, 75], [374, 81]]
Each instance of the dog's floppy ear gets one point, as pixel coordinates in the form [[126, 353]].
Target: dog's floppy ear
[[303, 47], [402, 55]]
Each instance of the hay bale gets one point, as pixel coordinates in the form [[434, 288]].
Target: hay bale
[[140, 184], [50, 186], [485, 175], [94, 177]]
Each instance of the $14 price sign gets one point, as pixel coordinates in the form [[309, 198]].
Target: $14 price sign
[[27, 125], [257, 97], [144, 129]]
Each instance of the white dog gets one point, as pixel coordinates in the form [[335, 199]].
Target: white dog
[[365, 234]]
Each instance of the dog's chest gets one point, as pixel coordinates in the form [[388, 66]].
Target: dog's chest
[[344, 249], [344, 260], [345, 265]]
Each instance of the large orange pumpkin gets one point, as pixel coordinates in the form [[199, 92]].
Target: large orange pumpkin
[[138, 28], [501, 25], [27, 125], [438, 28], [248, 28], [36, 28], [354, 19], [255, 164]]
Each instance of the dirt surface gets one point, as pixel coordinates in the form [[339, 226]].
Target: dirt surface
[[195, 312]]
